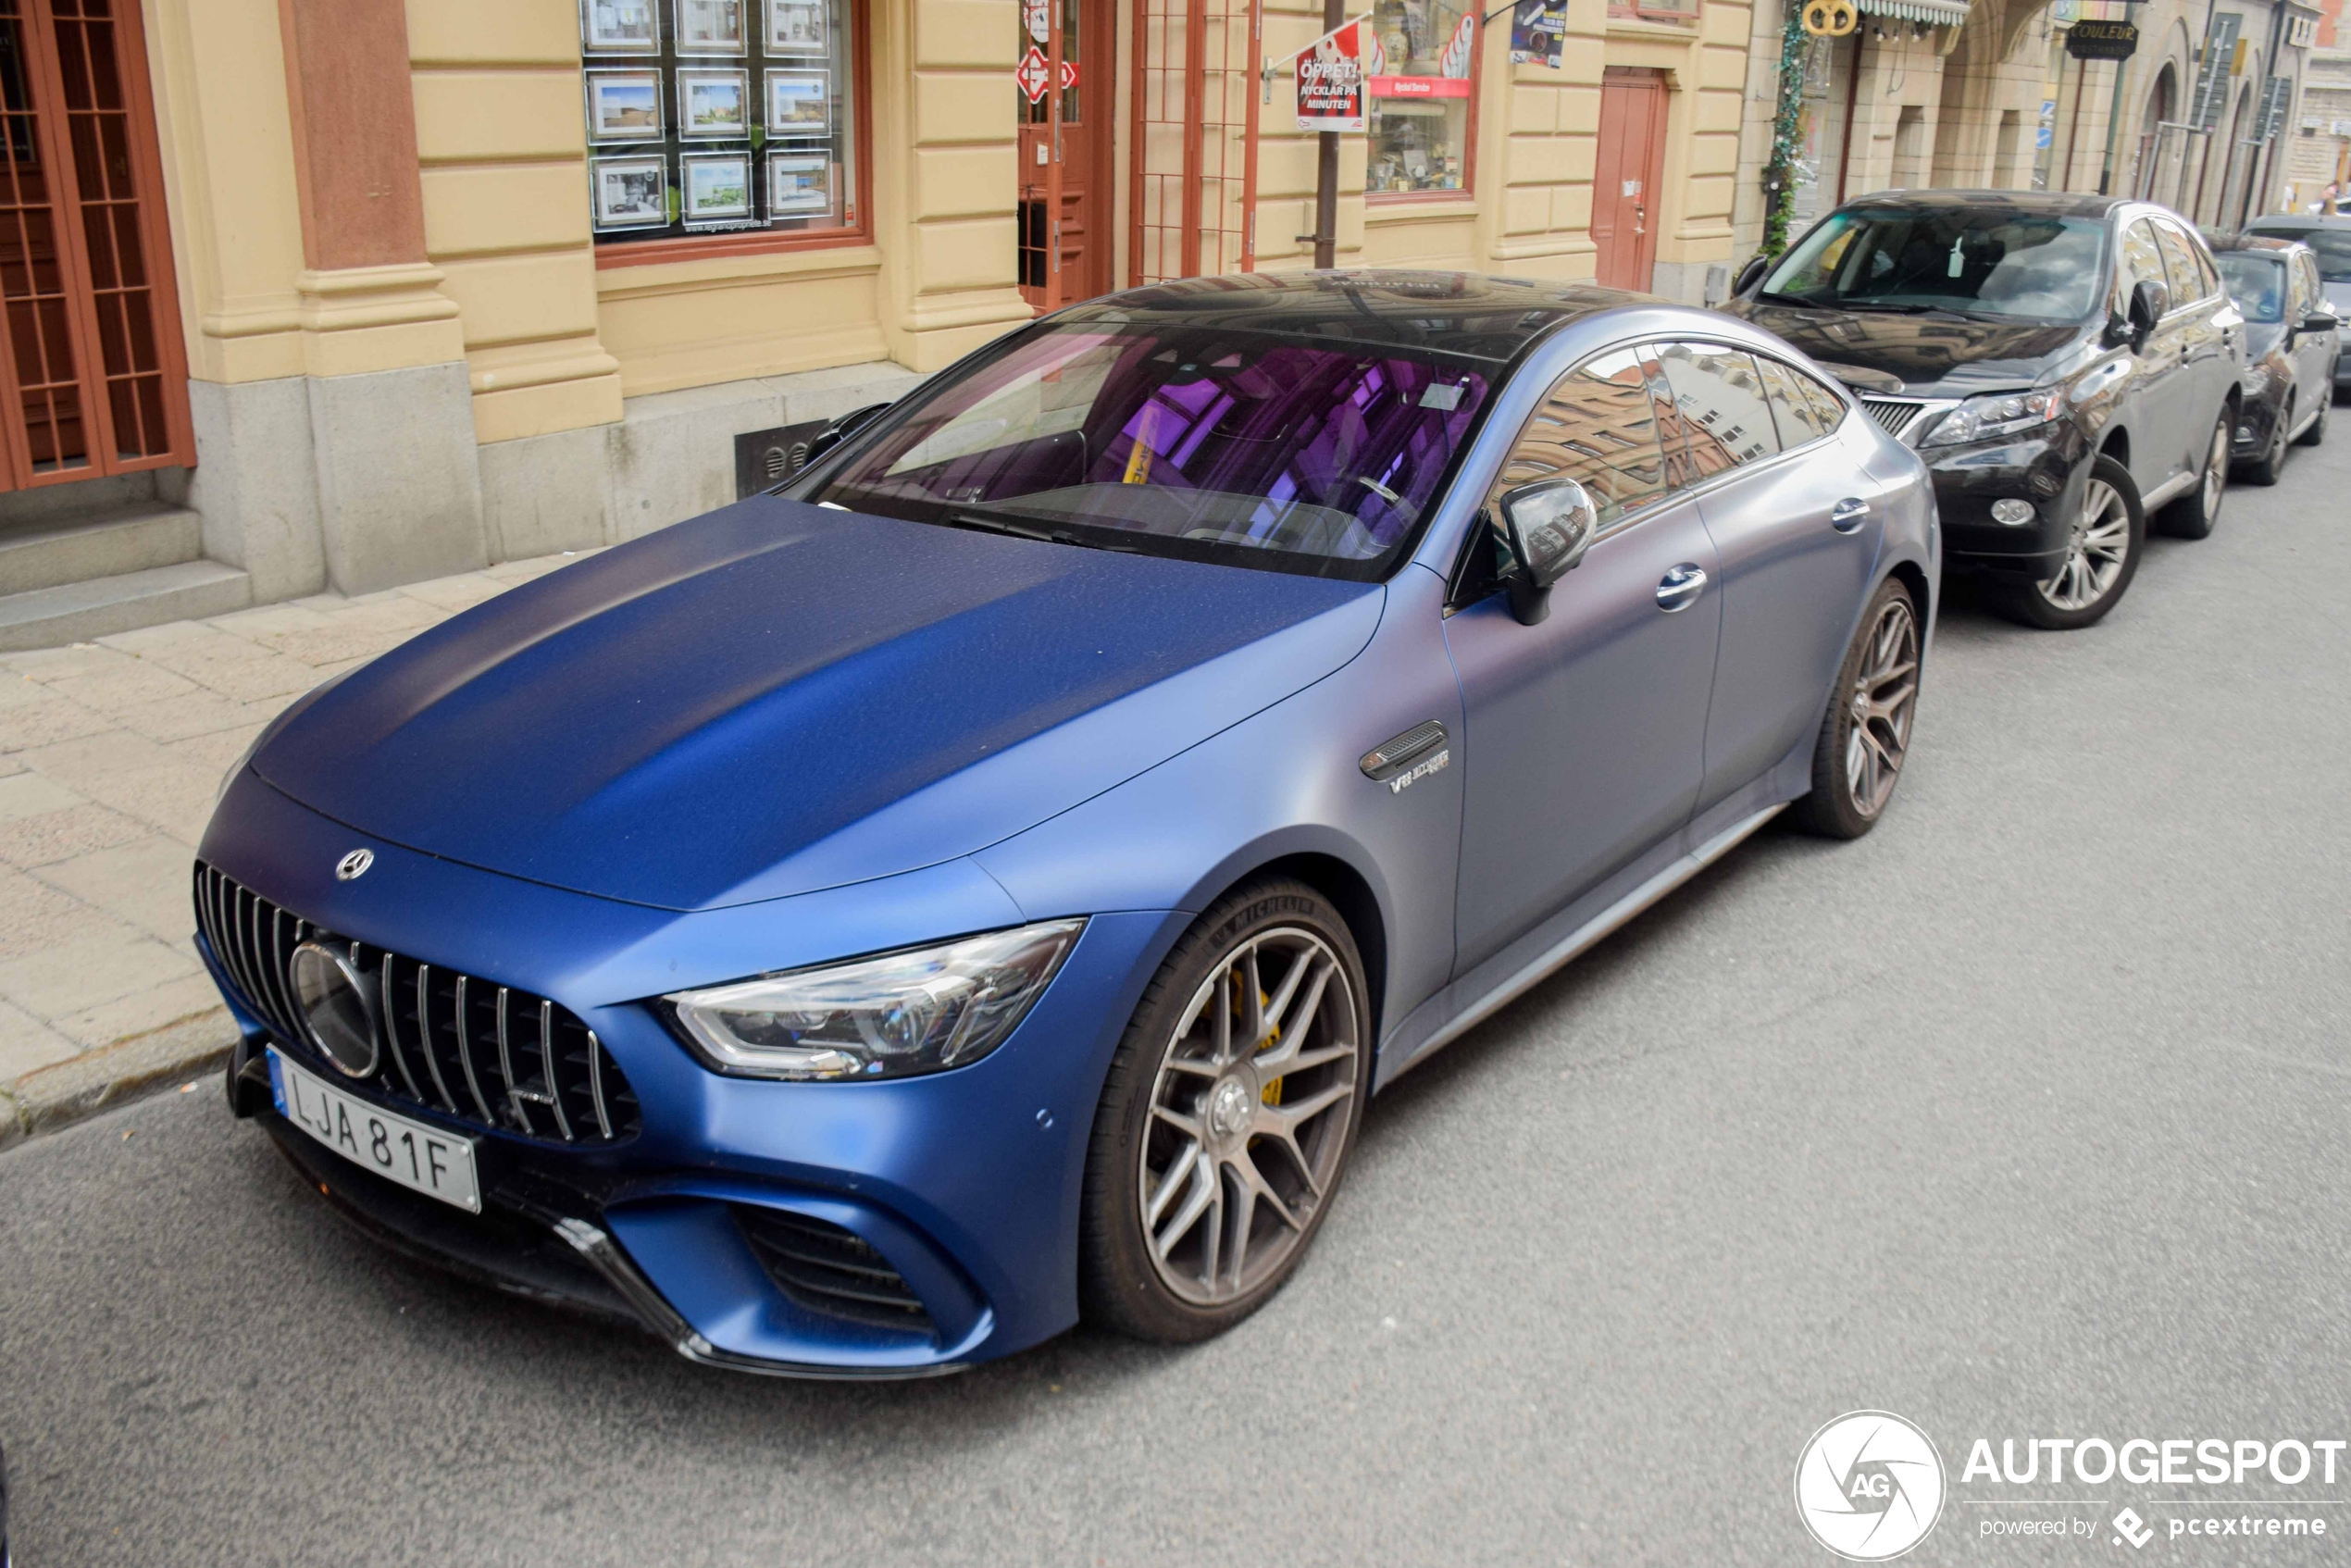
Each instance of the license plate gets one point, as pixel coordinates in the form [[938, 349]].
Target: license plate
[[418, 1157]]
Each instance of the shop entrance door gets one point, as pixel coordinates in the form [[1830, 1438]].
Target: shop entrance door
[[1625, 198], [1079, 181]]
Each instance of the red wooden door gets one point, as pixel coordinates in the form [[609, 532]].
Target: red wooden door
[[93, 379], [1083, 139], [1624, 185]]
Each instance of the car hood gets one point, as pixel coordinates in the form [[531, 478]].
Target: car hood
[[777, 697], [1919, 356], [2260, 336]]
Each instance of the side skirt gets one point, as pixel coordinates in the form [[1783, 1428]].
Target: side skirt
[[1582, 938]]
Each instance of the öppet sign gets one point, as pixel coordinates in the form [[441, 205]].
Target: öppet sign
[[1331, 75]]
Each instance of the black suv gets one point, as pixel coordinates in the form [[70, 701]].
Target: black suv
[[2064, 364]]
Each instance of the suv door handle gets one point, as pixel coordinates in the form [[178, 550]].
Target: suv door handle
[[1849, 514], [1678, 590]]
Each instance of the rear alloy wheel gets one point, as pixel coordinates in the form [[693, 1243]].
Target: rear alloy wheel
[[2193, 515], [1227, 1117], [2101, 556], [2273, 460], [1866, 734]]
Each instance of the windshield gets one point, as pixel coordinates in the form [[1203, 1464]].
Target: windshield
[[2333, 246], [2257, 283], [1211, 442], [1995, 263]]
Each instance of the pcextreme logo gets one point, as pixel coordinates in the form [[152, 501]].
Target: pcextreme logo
[[1869, 1486]]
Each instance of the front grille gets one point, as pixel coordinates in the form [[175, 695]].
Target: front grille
[[470, 1048], [1892, 417], [824, 1269]]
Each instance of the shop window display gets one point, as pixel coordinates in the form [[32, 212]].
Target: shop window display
[[712, 117], [1423, 94]]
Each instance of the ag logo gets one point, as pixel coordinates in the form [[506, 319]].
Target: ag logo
[[1830, 18], [1869, 1486]]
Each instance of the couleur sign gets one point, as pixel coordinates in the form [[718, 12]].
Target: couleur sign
[[2094, 40]]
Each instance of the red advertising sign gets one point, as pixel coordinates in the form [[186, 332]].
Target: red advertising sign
[[1419, 87], [1331, 76], [1033, 74]]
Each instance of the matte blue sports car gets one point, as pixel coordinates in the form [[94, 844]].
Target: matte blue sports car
[[982, 883]]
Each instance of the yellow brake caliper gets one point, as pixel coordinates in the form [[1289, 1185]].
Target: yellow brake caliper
[[1271, 1094]]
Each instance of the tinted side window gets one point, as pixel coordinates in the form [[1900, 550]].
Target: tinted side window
[[1720, 408], [1804, 410], [2141, 263], [1598, 425], [2178, 260]]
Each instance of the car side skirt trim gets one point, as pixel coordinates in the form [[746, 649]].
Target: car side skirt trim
[[1586, 936], [604, 1255], [2176, 485]]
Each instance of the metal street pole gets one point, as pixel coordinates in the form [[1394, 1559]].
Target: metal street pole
[[2113, 122], [2263, 154], [1326, 164]]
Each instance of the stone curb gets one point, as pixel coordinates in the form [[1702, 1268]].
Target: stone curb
[[82, 1087]]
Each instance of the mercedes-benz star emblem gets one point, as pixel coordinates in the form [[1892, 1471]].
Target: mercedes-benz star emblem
[[352, 866]]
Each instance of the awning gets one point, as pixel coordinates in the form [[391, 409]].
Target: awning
[[1934, 13]]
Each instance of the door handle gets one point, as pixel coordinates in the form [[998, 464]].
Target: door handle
[[1678, 588], [1849, 514]]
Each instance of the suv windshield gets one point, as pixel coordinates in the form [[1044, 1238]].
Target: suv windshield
[[2256, 283], [2333, 245], [1210, 443], [1998, 263]]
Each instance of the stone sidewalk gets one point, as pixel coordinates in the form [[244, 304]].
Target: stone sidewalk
[[111, 755]]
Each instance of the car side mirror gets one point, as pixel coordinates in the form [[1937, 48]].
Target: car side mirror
[[1750, 275], [843, 429], [2149, 301], [1549, 524], [2322, 321]]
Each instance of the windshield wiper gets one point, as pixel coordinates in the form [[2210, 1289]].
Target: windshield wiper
[[1021, 525], [1888, 308], [1768, 297]]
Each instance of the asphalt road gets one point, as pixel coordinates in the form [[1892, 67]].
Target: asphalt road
[[2022, 1117]]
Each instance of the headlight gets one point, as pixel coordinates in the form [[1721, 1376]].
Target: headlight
[[920, 1010], [2256, 381], [1996, 414]]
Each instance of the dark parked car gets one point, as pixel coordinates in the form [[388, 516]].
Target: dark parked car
[[2329, 241], [2292, 351], [852, 931], [2065, 364]]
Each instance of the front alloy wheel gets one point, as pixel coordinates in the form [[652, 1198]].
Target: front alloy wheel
[[2266, 468], [1227, 1117], [2095, 553], [2101, 556]]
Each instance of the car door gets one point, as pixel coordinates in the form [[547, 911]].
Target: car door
[[2207, 331], [1587, 731], [1795, 528], [2156, 412], [2313, 352]]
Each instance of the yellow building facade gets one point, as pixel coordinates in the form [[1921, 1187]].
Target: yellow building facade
[[458, 282]]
